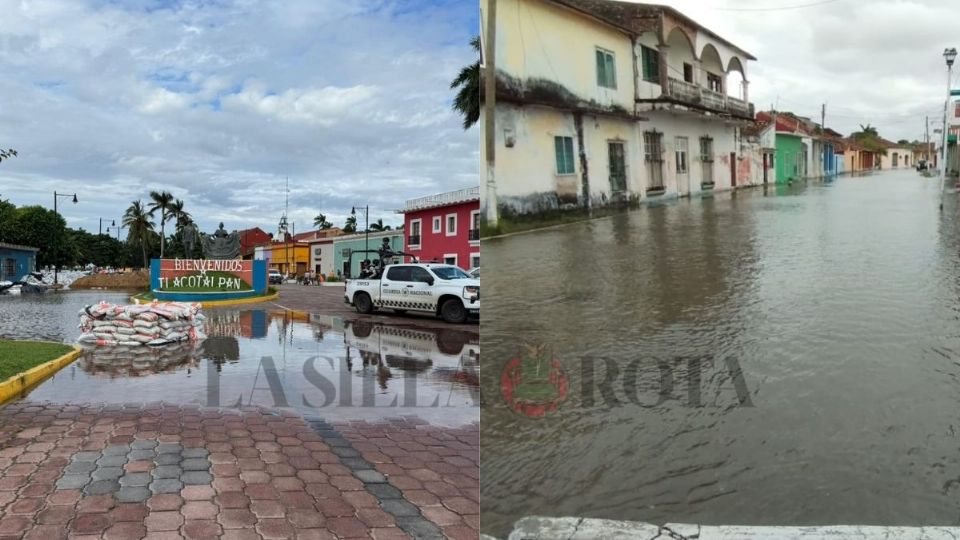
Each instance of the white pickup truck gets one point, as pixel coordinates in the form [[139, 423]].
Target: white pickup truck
[[441, 289]]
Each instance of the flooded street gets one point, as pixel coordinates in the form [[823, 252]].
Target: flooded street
[[789, 356], [270, 357]]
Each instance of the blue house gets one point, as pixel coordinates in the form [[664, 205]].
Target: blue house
[[16, 261]]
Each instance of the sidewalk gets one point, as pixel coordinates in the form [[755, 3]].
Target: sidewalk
[[572, 528], [159, 471]]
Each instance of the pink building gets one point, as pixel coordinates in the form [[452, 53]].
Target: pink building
[[444, 227]]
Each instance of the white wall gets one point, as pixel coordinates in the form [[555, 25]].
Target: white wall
[[537, 39]]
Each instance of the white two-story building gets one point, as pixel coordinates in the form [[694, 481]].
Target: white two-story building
[[600, 101]]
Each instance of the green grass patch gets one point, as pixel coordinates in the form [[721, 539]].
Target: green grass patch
[[215, 276], [19, 356]]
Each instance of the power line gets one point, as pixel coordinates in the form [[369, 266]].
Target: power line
[[781, 8]]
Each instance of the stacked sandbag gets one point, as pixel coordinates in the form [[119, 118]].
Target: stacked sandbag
[[156, 323]]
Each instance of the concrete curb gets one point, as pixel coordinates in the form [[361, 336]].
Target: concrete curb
[[217, 303], [15, 386], [572, 528]]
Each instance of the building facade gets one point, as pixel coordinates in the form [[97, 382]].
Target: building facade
[[344, 245], [250, 239], [445, 227], [613, 102], [288, 258], [322, 259], [16, 261]]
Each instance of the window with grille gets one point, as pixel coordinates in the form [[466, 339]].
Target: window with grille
[[706, 149], [653, 156]]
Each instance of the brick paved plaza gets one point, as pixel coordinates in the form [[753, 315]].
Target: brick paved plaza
[[159, 471]]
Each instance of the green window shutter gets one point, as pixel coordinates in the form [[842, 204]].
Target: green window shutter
[[568, 142], [558, 149], [601, 68], [611, 71]]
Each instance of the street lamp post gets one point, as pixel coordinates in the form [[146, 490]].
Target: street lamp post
[[949, 55], [55, 197], [112, 224], [366, 209]]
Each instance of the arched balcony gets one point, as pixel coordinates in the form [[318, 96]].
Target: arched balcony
[[701, 80]]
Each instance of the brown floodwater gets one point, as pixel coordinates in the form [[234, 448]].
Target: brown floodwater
[[787, 355]]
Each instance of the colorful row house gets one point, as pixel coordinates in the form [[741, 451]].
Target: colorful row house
[[613, 102], [445, 227]]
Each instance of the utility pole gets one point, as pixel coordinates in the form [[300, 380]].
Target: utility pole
[[490, 104], [823, 135], [926, 140]]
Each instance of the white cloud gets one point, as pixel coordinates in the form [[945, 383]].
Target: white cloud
[[220, 102], [321, 106]]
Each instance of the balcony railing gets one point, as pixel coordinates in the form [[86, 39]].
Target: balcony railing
[[693, 94], [413, 240], [443, 199], [474, 234]]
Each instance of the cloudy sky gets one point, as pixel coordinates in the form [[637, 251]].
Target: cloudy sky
[[218, 101], [878, 62]]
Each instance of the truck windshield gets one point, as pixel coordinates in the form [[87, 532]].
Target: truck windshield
[[450, 272]]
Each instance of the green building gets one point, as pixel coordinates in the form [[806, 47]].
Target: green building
[[343, 245], [790, 158]]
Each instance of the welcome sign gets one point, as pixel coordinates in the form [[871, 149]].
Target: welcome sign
[[207, 279]]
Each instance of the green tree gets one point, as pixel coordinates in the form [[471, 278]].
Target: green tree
[[98, 249], [45, 229], [379, 226], [467, 102], [178, 214], [8, 216], [137, 220], [162, 201], [321, 222], [351, 225]]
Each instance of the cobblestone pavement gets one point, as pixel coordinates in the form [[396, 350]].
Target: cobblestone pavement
[[158, 471]]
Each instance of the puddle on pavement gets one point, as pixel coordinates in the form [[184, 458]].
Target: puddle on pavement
[[341, 370]]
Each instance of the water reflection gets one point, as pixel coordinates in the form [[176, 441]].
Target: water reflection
[[279, 358], [123, 361]]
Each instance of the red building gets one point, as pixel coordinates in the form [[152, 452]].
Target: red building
[[444, 227], [251, 238]]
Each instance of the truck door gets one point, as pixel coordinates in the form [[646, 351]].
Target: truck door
[[392, 286], [420, 290]]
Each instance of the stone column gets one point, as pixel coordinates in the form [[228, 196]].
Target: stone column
[[664, 82]]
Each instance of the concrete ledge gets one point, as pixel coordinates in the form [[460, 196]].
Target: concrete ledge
[[571, 528], [216, 303], [20, 383]]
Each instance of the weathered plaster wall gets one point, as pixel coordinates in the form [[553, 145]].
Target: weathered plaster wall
[[538, 39]]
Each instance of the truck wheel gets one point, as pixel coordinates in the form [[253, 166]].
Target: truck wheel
[[363, 304], [453, 311]]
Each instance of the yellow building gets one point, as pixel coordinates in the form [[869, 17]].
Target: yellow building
[[287, 257]]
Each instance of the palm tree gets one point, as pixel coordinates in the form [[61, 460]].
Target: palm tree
[[321, 222], [351, 225], [377, 226], [162, 200], [139, 227], [181, 216], [467, 102]]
